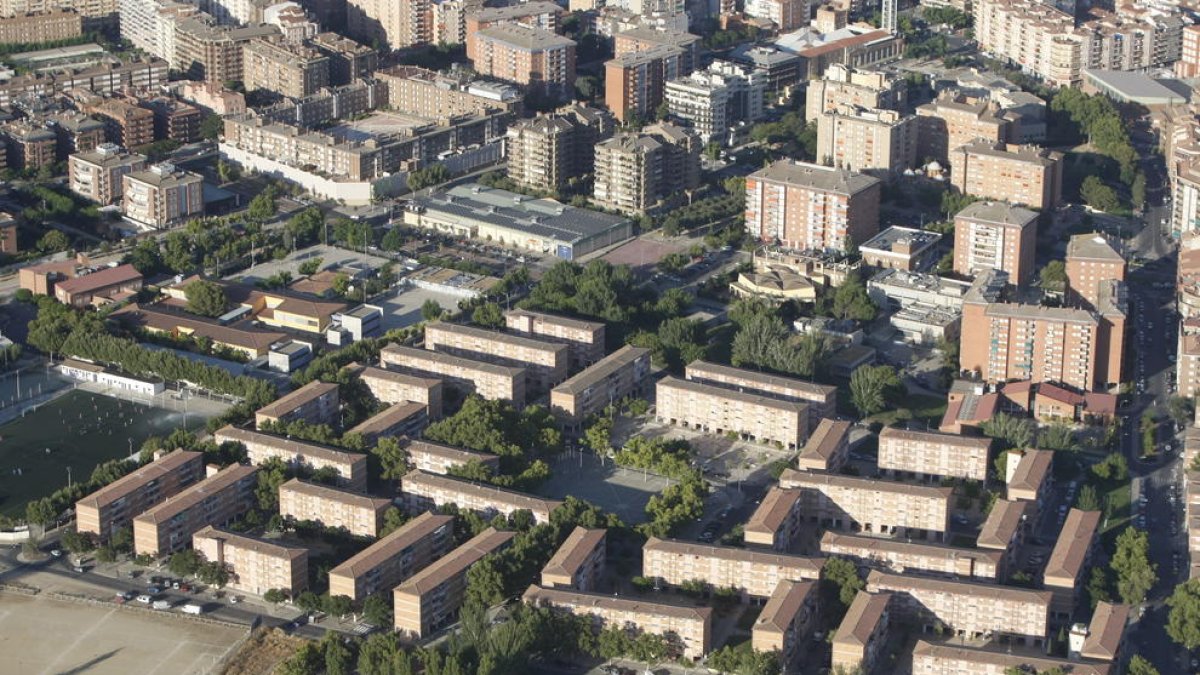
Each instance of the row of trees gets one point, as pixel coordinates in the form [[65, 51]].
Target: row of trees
[[521, 438]]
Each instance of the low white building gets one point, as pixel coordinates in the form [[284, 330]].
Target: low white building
[[98, 374]]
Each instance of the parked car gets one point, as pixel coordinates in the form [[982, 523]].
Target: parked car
[[144, 599], [153, 590]]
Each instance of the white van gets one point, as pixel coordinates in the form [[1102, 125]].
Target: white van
[[192, 608], [161, 604]]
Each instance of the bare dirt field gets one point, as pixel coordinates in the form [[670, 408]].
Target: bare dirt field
[[642, 254], [52, 637], [262, 653]]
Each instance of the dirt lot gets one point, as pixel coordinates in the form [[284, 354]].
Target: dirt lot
[[42, 635], [262, 652]]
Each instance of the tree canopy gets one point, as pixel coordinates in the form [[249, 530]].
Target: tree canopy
[[1136, 575], [1183, 621], [205, 298]]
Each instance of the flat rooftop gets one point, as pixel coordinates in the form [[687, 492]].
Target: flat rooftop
[[887, 240], [377, 125], [816, 177]]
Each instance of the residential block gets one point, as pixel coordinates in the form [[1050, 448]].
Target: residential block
[[114, 506], [876, 506], [255, 566], [351, 467], [718, 410], [426, 490], [751, 573], [361, 515], [489, 380], [579, 562], [221, 498], [383, 565]]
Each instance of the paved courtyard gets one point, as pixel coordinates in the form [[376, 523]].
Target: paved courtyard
[[330, 257], [603, 483]]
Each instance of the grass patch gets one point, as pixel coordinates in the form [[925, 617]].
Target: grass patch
[[920, 408], [1119, 497]]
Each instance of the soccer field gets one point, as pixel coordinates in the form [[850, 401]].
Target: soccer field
[[79, 430]]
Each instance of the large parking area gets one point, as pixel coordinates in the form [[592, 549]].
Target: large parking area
[[402, 307], [42, 635]]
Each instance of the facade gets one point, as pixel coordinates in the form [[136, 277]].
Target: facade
[[545, 363], [1029, 475], [932, 455], [29, 146], [947, 659], [716, 100], [360, 515], [718, 410], [751, 573], [535, 14], [399, 419], [161, 196], [846, 86], [646, 38], [863, 633], [221, 498], [776, 522], [392, 387], [426, 93], [399, 24], [98, 287], [690, 626], [76, 133], [579, 563], [125, 123], [158, 318], [349, 61], [114, 506], [908, 557], [545, 152], [868, 140], [383, 565], [785, 14], [50, 26], [531, 57], [426, 490], [1004, 530], [175, 120], [584, 339], [639, 171], [828, 446], [1092, 259], [351, 467], [820, 398], [214, 53], [108, 378], [316, 403], [1067, 569], [489, 380], [953, 120], [1023, 175], [808, 206], [873, 506], [995, 236], [430, 599], [787, 620], [439, 459], [609, 380], [286, 69], [255, 566], [635, 81], [103, 79]]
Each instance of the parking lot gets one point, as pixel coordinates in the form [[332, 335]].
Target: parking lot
[[402, 308]]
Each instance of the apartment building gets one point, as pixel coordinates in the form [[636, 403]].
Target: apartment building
[[103, 79], [449, 20], [860, 638], [953, 120], [1024, 174], [392, 387], [430, 599], [28, 146], [349, 61], [1092, 259], [931, 455], [811, 207], [866, 139], [161, 196], [1004, 530], [777, 520], [255, 566], [284, 68], [752, 573], [96, 13], [868, 505], [175, 120], [97, 175], [636, 172], [636, 81], [787, 15], [399, 419], [1067, 569], [218, 499], [541, 152], [351, 467], [842, 85], [316, 403], [76, 132], [604, 383], [538, 59], [488, 380], [1188, 65], [361, 515], [966, 608], [50, 26], [820, 398], [690, 627], [910, 557], [439, 459], [398, 24], [386, 563], [126, 124], [584, 339], [717, 100], [205, 51], [1028, 475], [995, 236], [1105, 633], [535, 14], [718, 410], [579, 563], [930, 658], [113, 506], [646, 38], [423, 491], [434, 95], [828, 446], [787, 621], [545, 363], [213, 97]]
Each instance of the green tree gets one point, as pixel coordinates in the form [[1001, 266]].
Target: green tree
[[40, 512], [205, 298], [598, 435], [53, 241], [1099, 196], [337, 657], [1136, 575], [431, 310], [213, 573], [485, 582], [275, 595], [263, 207], [185, 563], [1137, 191], [1138, 665], [1054, 275], [840, 576], [1088, 499], [1015, 432], [434, 174], [337, 605], [393, 460], [310, 267], [1183, 620], [377, 610], [211, 127], [226, 172], [1097, 587], [871, 387], [488, 315], [75, 542], [393, 519], [850, 301]]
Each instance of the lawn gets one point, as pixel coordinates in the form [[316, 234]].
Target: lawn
[[921, 408], [79, 431]]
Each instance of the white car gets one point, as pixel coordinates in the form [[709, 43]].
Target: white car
[[144, 599]]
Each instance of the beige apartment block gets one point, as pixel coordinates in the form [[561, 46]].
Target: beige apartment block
[[348, 60], [869, 505], [828, 446], [751, 573], [579, 562], [401, 419], [399, 24], [1004, 530], [786, 621], [646, 38], [161, 195], [439, 459], [1067, 569], [949, 659], [902, 556], [541, 152], [609, 380], [1029, 475], [545, 363], [636, 172], [207, 51], [584, 339], [690, 627], [351, 467], [843, 85], [1020, 174], [721, 411], [125, 123], [995, 236], [29, 146], [50, 26], [392, 387], [954, 119], [1092, 259], [223, 497], [932, 455], [426, 490], [535, 58], [114, 506], [361, 515], [776, 522], [863, 633], [394, 558], [1106, 632], [97, 175], [867, 139], [812, 207], [315, 403], [636, 80], [821, 398], [287, 69], [489, 380], [255, 566], [427, 93], [968, 609], [430, 599]]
